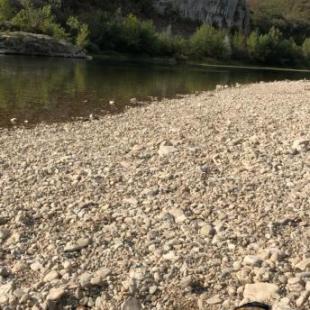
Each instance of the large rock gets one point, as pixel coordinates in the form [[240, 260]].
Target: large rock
[[221, 13], [24, 43]]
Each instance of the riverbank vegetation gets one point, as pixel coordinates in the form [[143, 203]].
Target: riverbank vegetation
[[109, 28]]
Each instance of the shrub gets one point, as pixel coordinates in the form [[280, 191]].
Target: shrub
[[6, 10], [136, 35], [38, 20], [170, 45], [238, 42], [79, 31], [306, 49], [208, 41], [271, 48]]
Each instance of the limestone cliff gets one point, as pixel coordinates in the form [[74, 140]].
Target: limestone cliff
[[232, 14]]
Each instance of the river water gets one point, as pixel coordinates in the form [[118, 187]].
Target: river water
[[51, 89]]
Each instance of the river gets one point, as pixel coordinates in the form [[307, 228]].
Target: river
[[38, 89]]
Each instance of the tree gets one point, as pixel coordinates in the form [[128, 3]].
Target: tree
[[306, 49], [208, 41], [40, 19], [6, 10], [79, 30]]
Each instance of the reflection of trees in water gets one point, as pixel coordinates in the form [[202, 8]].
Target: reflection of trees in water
[[28, 87], [48, 89]]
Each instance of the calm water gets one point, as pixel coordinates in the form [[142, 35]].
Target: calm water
[[49, 89]]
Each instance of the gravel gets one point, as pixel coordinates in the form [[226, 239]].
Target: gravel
[[193, 203]]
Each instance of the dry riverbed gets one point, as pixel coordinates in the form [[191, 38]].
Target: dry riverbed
[[193, 203]]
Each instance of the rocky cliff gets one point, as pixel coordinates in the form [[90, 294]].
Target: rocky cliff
[[232, 14]]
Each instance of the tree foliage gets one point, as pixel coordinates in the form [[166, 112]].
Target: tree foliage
[[207, 42], [280, 35]]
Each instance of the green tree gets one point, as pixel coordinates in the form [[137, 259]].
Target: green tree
[[40, 19], [6, 10], [306, 49], [208, 41], [80, 31], [239, 49]]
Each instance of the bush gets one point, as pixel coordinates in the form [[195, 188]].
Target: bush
[[136, 35], [239, 49], [208, 41], [271, 48], [170, 45], [262, 47], [6, 10], [38, 20], [306, 49], [79, 31]]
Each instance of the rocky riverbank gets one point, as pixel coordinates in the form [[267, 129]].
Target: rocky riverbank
[[194, 203], [31, 44]]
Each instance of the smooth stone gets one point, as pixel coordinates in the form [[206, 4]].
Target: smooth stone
[[55, 294], [251, 260], [186, 282], [52, 275], [303, 265], [207, 230], [36, 266], [260, 291], [99, 277], [214, 300], [300, 145], [152, 290], [178, 215], [304, 296], [78, 245], [85, 279], [283, 304], [295, 285], [165, 150], [5, 291]]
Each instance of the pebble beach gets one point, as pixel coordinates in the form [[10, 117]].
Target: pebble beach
[[200, 202]]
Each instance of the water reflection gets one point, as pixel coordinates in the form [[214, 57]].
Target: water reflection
[[49, 89]]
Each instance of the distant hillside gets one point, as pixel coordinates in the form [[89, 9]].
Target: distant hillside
[[182, 29], [292, 17]]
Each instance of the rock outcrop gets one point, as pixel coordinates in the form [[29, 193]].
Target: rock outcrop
[[232, 14], [24, 43]]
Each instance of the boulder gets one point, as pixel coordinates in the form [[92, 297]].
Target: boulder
[[24, 43]]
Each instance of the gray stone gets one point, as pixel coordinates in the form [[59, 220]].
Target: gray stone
[[85, 279], [24, 43], [131, 304], [222, 13], [251, 260]]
